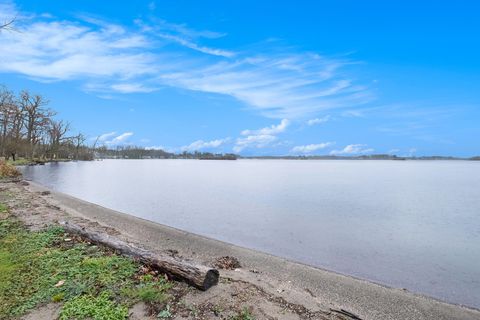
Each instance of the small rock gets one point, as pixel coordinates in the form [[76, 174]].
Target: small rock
[[67, 239], [60, 283]]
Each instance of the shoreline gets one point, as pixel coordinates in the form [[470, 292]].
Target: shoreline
[[277, 287], [299, 283]]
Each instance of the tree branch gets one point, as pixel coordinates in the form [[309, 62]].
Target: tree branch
[[8, 25]]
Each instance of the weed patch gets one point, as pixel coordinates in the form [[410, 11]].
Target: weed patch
[[93, 283], [91, 307], [8, 170], [245, 314]]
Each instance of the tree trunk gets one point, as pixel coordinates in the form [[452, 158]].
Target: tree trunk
[[199, 276]]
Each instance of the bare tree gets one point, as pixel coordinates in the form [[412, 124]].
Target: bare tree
[[6, 104], [36, 117], [11, 123], [78, 142], [28, 129], [57, 132]]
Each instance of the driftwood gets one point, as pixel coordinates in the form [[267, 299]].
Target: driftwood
[[199, 276]]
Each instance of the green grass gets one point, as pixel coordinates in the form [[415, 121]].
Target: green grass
[[245, 314], [94, 307], [25, 161], [20, 162], [40, 267]]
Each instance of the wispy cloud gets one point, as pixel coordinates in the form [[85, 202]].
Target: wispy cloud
[[61, 50], [115, 58], [152, 6], [8, 10], [118, 140], [256, 142], [183, 35], [309, 148], [352, 149], [201, 145], [260, 138], [106, 136], [177, 28], [194, 46], [354, 113], [316, 121], [278, 86], [271, 130], [131, 88]]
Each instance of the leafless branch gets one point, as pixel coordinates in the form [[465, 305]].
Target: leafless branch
[[8, 25]]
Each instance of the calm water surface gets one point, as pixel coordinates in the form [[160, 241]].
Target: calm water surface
[[406, 224]]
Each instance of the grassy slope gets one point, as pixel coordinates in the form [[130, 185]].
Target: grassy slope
[[92, 283]]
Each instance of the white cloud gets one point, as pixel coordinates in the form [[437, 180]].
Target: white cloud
[[316, 121], [119, 139], [8, 11], [260, 138], [272, 130], [184, 36], [61, 50], [310, 148], [393, 151], [353, 113], [176, 28], [195, 46], [131, 88], [106, 136], [109, 57], [255, 141], [287, 86], [353, 149], [200, 144]]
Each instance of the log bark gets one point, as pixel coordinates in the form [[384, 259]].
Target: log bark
[[200, 276]]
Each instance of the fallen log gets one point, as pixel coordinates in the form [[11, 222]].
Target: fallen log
[[200, 276]]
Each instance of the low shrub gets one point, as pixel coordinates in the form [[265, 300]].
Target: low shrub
[[8, 171]]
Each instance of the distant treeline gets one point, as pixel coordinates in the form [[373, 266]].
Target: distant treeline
[[364, 157], [29, 129], [136, 152]]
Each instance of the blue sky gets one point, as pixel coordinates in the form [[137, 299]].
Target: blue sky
[[255, 77]]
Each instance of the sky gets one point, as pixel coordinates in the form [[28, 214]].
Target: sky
[[255, 77]]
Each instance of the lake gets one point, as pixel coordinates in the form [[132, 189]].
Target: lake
[[405, 224]]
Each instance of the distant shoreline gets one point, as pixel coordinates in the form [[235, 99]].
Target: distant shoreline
[[373, 157], [426, 158]]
